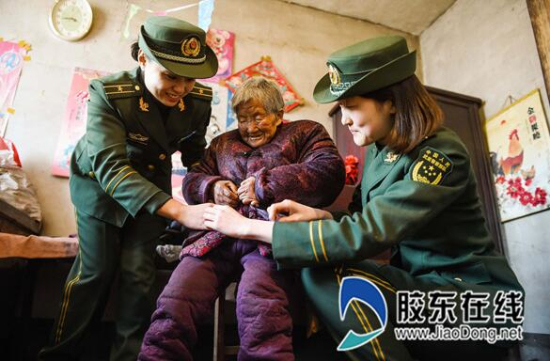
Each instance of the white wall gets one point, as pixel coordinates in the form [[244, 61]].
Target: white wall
[[297, 38], [487, 49]]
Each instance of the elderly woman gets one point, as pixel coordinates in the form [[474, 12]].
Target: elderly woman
[[264, 161]]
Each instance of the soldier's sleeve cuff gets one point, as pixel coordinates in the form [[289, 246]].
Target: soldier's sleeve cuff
[[155, 202], [292, 245]]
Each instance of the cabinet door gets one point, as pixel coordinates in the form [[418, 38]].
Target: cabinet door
[[462, 114]]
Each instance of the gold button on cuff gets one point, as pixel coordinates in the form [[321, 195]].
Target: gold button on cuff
[[162, 156], [91, 175], [151, 167]]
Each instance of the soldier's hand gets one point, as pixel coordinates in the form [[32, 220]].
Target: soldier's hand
[[247, 193], [224, 192], [291, 211], [193, 216], [226, 220], [190, 216]]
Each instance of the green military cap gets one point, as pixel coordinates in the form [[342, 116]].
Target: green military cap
[[365, 67], [178, 46]]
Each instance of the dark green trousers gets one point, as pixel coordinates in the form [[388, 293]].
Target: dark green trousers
[[104, 252], [322, 285]]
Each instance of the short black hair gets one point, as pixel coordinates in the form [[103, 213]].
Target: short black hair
[[134, 50]]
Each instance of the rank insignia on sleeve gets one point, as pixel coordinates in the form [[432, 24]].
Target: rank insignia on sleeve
[[431, 167]]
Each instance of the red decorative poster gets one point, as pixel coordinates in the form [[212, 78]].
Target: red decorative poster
[[74, 124], [267, 69], [222, 42]]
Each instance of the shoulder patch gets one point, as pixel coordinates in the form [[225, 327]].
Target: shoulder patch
[[431, 166], [202, 92], [122, 90]]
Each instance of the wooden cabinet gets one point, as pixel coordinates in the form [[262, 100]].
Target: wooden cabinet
[[462, 114]]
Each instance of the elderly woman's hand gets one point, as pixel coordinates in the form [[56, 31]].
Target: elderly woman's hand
[[291, 211], [246, 192], [224, 192]]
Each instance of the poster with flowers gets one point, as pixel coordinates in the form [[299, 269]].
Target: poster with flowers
[[519, 145]]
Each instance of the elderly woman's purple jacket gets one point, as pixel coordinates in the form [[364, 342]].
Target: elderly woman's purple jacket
[[300, 163]]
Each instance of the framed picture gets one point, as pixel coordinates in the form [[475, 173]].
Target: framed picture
[[519, 146]]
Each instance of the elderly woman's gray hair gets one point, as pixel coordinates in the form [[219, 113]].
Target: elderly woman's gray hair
[[259, 88]]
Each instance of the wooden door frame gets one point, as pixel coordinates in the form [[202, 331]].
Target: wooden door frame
[[539, 12]]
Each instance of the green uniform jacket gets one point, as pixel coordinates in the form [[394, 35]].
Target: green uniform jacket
[[123, 163], [424, 205]]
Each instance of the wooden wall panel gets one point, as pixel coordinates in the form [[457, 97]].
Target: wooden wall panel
[[539, 12]]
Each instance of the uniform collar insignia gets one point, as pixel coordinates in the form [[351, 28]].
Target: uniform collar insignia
[[143, 105], [181, 105], [391, 157]]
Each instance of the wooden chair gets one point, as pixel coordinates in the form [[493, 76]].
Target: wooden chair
[[221, 350]]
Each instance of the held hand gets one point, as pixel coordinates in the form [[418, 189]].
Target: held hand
[[290, 211], [226, 220], [225, 193], [247, 193], [192, 216]]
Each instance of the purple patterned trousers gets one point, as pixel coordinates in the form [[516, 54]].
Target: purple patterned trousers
[[263, 307]]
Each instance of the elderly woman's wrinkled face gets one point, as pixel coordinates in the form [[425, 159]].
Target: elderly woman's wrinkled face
[[256, 126]]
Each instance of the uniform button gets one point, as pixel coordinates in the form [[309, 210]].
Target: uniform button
[[151, 167], [458, 279], [137, 87], [162, 156], [92, 175]]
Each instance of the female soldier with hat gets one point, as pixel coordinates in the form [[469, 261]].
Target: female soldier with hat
[[417, 197], [120, 181]]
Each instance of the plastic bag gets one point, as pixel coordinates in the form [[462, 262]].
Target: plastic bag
[[15, 188]]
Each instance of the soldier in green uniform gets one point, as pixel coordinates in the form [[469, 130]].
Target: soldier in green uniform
[[121, 182], [417, 197]]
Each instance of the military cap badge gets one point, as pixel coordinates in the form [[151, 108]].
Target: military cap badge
[[334, 75], [191, 46]]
